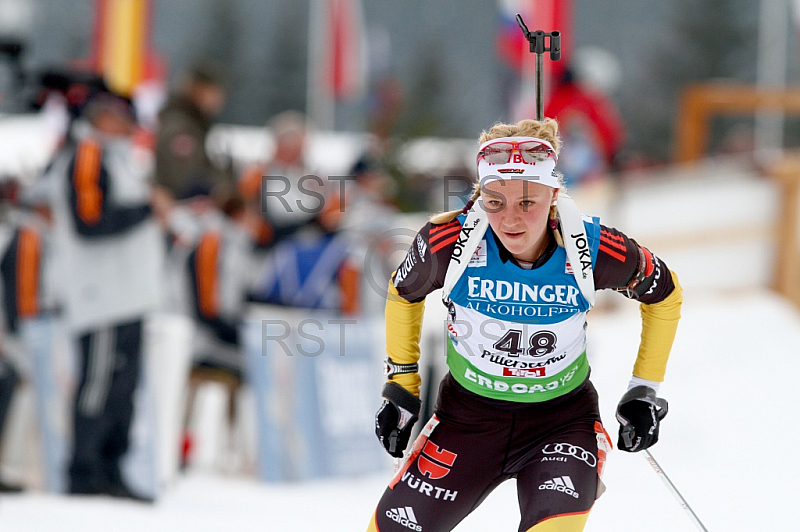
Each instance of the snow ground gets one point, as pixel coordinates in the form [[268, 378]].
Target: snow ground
[[726, 444]]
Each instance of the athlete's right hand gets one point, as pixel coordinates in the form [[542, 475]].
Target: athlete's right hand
[[396, 417]]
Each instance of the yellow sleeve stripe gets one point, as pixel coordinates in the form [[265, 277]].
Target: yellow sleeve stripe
[[659, 324], [403, 330]]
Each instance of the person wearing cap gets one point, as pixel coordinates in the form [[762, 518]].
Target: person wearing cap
[[110, 250], [518, 267], [183, 166]]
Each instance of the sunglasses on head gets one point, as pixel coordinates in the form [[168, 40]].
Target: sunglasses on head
[[528, 151]]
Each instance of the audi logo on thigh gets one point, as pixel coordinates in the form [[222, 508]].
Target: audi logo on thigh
[[568, 449]]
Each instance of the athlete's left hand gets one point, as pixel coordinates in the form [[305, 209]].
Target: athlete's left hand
[[639, 413]]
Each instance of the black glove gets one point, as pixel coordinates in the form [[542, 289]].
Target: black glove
[[396, 417], [639, 413]]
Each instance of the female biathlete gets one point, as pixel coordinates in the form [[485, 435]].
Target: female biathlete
[[518, 268]]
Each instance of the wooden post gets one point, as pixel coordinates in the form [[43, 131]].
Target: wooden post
[[786, 173], [700, 102], [691, 131]]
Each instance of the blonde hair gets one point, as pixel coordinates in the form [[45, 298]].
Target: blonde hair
[[546, 129]]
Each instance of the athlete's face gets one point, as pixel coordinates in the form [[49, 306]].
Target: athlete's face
[[518, 213]]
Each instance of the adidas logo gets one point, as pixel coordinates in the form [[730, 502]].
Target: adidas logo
[[562, 484], [404, 516]]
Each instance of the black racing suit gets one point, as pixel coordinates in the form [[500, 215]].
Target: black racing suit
[[555, 449]]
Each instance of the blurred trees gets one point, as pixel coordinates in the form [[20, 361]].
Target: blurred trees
[[287, 66], [422, 114], [442, 54], [708, 40]]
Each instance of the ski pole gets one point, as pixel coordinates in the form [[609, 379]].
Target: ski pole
[[685, 505]]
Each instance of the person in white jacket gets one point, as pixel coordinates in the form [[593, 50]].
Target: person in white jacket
[[112, 252]]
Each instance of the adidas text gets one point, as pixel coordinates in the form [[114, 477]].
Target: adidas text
[[562, 484], [404, 516]]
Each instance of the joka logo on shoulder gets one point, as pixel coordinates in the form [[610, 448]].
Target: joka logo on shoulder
[[404, 516], [435, 462]]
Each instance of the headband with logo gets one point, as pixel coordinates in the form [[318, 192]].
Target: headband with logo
[[573, 231], [540, 171]]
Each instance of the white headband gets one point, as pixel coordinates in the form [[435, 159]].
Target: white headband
[[543, 172]]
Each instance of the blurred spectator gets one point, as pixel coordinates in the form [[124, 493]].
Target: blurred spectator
[[183, 165], [217, 277], [9, 376], [26, 293], [111, 258], [369, 227], [367, 202], [287, 193], [324, 269], [310, 272], [589, 124]]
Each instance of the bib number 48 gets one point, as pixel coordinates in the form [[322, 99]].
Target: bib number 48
[[539, 344]]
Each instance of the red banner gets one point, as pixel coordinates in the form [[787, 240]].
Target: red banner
[[545, 15], [345, 63]]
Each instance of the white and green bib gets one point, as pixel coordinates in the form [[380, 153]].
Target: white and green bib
[[515, 334]]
